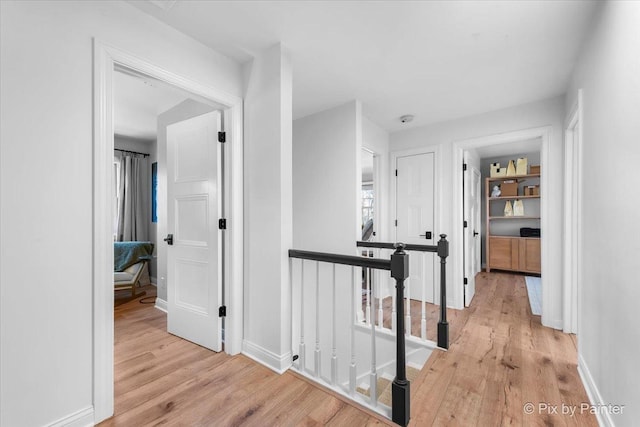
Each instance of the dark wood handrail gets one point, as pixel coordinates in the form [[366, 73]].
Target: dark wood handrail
[[355, 261], [407, 247]]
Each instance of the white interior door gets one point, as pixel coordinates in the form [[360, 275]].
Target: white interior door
[[472, 265], [415, 220], [193, 270]]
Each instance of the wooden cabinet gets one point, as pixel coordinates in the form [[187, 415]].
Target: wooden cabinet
[[514, 254], [504, 249]]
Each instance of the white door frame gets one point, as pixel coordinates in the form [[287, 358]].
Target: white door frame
[[437, 209], [376, 192], [458, 216], [106, 58], [572, 216]]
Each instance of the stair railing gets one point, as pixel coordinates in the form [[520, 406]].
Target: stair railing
[[442, 251], [398, 265]]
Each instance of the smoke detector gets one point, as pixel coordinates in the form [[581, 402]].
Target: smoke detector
[[406, 118]]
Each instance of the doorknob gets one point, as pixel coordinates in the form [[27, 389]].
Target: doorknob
[[426, 235], [475, 233], [169, 239]]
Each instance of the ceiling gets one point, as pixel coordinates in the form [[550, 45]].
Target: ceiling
[[510, 149], [438, 60], [137, 103]]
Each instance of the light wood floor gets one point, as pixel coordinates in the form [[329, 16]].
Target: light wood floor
[[501, 357]]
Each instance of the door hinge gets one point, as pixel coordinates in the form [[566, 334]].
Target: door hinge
[[464, 224], [222, 137], [222, 311], [464, 166], [396, 172], [466, 282], [396, 222], [222, 224]]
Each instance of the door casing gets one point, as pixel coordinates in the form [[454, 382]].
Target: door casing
[[106, 59]]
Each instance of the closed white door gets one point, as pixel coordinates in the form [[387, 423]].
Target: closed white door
[[415, 221], [193, 191], [472, 262]]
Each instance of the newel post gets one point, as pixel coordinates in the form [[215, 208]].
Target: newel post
[[443, 325], [400, 391]]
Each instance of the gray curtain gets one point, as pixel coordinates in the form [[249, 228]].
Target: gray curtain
[[134, 197]]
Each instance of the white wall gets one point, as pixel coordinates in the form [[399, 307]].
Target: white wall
[[327, 180], [549, 112], [46, 75], [608, 71], [185, 110], [268, 198]]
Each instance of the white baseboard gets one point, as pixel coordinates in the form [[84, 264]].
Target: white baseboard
[[275, 362], [161, 304], [82, 418], [595, 398]]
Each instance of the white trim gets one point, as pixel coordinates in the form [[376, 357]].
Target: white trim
[[458, 216], [106, 58], [595, 398], [81, 418], [277, 363], [572, 217], [161, 305], [437, 209]]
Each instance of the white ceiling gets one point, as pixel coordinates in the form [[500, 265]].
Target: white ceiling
[[510, 149], [438, 60], [137, 103]]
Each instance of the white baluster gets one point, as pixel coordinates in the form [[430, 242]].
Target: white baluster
[[407, 313], [334, 357], [423, 323], [367, 281], [316, 369], [302, 350], [379, 288], [373, 377], [355, 290]]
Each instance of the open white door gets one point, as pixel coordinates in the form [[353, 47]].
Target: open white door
[[193, 191], [472, 262], [415, 220]]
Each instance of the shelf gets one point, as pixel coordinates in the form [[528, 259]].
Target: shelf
[[513, 197], [514, 177], [514, 217]]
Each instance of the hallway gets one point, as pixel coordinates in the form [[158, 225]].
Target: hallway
[[501, 358]]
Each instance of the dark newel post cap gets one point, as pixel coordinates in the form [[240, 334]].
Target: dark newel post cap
[[399, 246], [399, 262], [443, 247]]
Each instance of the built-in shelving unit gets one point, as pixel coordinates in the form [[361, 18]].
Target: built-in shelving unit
[[512, 252]]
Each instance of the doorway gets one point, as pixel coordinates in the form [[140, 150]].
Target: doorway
[[107, 60], [508, 141]]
